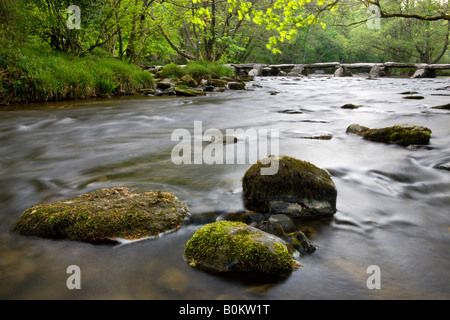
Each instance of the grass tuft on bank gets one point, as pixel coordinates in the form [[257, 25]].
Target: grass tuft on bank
[[38, 74], [197, 69]]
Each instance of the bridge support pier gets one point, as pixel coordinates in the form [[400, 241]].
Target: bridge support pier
[[342, 72], [424, 73]]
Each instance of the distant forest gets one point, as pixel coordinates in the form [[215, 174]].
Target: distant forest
[[233, 31]]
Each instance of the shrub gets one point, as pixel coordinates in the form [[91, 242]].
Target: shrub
[[171, 70], [204, 69]]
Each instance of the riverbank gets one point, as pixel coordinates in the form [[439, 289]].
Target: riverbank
[[37, 74]]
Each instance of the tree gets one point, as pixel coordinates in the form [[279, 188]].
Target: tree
[[50, 19], [428, 10], [415, 30], [13, 20], [211, 28]]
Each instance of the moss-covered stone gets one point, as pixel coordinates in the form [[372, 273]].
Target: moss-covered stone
[[188, 92], [104, 216], [164, 84], [189, 81], [403, 135], [414, 97], [228, 246], [298, 189], [443, 107], [349, 106], [216, 82], [236, 85]]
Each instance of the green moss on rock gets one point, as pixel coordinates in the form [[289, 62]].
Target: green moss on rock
[[188, 92], [299, 188], [228, 246], [104, 216], [403, 135]]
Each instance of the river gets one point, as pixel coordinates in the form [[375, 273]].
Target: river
[[392, 207]]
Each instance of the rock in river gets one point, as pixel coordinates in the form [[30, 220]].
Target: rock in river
[[443, 107], [227, 246], [236, 85], [105, 216], [298, 189], [403, 135], [356, 129]]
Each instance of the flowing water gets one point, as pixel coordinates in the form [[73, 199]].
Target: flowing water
[[393, 204]]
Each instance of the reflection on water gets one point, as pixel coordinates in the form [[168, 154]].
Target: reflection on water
[[393, 203]]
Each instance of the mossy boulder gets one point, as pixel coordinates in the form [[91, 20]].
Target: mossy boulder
[[228, 246], [164, 84], [298, 189], [105, 216], [403, 135], [188, 92], [189, 81], [236, 85], [216, 82]]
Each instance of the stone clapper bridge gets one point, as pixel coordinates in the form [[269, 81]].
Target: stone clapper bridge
[[377, 70]]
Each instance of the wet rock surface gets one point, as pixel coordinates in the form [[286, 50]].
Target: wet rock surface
[[403, 135], [297, 189], [227, 246], [105, 216]]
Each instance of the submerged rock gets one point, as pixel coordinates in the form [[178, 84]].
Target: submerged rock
[[409, 92], [105, 216], [301, 243], [444, 166], [227, 246], [356, 129], [298, 189], [349, 106], [229, 139], [188, 92], [443, 107], [319, 136], [280, 223], [414, 97], [289, 111]]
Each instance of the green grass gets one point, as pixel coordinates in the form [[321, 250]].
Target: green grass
[[197, 69], [204, 69], [171, 70], [37, 74]]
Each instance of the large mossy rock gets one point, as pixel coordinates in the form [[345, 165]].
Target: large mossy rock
[[403, 135], [105, 216], [298, 189], [228, 246]]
